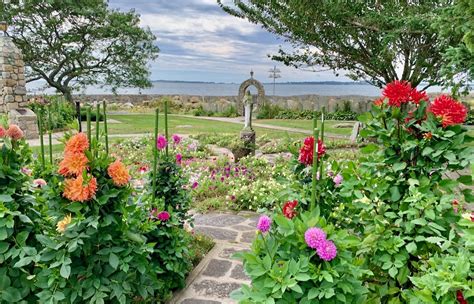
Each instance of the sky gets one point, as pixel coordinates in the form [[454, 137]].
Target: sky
[[198, 41]]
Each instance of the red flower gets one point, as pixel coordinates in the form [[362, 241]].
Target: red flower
[[398, 92], [289, 209], [450, 111], [460, 297], [307, 151], [417, 96], [428, 135], [379, 102]]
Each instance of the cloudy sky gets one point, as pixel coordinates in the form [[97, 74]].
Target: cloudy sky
[[199, 41]]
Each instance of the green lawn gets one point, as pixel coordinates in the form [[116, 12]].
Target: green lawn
[[144, 123], [308, 125]]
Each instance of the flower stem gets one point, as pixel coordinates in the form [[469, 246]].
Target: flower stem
[[166, 125], [40, 127], [89, 136], [50, 127], [155, 154], [322, 140], [315, 162], [97, 121]]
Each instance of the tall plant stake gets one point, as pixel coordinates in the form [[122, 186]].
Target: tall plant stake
[[315, 162], [97, 129], [105, 128], [40, 127], [321, 167], [155, 153], [50, 131], [166, 125], [89, 131]]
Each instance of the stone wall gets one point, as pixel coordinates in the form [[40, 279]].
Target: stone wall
[[12, 80], [26, 120], [220, 103]]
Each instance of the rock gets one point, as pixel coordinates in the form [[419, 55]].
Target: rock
[[217, 268], [343, 125], [128, 105]]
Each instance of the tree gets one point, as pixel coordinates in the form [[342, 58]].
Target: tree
[[74, 43], [458, 21], [376, 41]]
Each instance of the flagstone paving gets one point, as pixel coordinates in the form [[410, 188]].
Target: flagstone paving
[[212, 281]]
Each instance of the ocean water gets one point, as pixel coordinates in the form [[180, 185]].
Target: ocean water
[[230, 89]]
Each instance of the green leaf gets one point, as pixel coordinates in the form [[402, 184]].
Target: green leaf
[[395, 194], [411, 247], [426, 151], [11, 295], [4, 198], [393, 271], [313, 293], [65, 271], [113, 261], [399, 166], [465, 179], [434, 239]]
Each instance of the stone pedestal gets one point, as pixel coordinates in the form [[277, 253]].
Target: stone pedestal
[[26, 120], [247, 136]]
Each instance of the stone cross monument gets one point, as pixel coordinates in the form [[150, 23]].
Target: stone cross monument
[[12, 86]]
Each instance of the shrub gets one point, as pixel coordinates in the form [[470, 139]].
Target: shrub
[[62, 112], [19, 221], [93, 114]]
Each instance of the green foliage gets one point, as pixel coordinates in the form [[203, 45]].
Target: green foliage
[[229, 112], [284, 269], [72, 44], [367, 39], [19, 221], [269, 111], [93, 115], [62, 113]]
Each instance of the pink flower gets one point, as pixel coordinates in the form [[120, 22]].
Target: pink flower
[[327, 250], [163, 216], [179, 158], [14, 132], [26, 171], [264, 223], [161, 142], [176, 139], [143, 169], [39, 183], [314, 237], [3, 132], [337, 180], [194, 186]]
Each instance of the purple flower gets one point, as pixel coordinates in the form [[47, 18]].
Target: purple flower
[[179, 158], [194, 186], [161, 142], [337, 179], [264, 223], [163, 216], [327, 250], [176, 139], [314, 237]]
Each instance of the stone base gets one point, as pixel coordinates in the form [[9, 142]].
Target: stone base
[[26, 120], [248, 144]]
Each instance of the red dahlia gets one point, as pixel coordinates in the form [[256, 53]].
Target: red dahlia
[[307, 151], [460, 297], [417, 96], [450, 111], [398, 92], [289, 209]]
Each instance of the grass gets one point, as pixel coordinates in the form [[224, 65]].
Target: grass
[[308, 125], [144, 123]]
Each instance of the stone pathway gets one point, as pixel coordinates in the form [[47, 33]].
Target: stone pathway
[[212, 281]]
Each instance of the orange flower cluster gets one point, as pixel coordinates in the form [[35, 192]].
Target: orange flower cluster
[[78, 191], [75, 161], [119, 173]]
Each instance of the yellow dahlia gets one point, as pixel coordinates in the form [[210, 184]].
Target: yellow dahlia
[[62, 224]]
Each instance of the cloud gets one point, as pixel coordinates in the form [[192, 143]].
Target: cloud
[[197, 36]]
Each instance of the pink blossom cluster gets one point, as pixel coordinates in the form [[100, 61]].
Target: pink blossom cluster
[[315, 238]]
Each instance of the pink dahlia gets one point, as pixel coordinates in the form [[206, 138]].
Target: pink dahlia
[[314, 237], [337, 180], [179, 158], [327, 250], [163, 216], [264, 223], [161, 142], [176, 139], [3, 132]]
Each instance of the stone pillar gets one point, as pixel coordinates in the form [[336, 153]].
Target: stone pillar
[[12, 85]]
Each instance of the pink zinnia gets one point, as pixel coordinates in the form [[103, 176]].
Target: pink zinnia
[[179, 158], [264, 223], [176, 139], [337, 180], [314, 237], [39, 183], [163, 216], [161, 142], [327, 250]]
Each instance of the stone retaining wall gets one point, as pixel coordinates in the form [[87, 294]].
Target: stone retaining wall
[[221, 103]]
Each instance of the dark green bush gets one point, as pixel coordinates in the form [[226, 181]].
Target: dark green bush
[[93, 115]]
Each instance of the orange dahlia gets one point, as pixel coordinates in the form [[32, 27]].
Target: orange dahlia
[[77, 144], [450, 111], [73, 164], [76, 190], [119, 173]]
